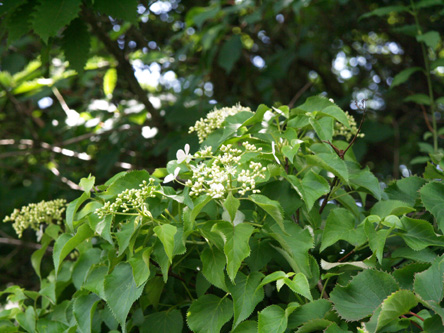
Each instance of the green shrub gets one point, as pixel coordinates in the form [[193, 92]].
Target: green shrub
[[271, 226]]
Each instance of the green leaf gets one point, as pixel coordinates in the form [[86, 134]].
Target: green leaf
[[406, 190], [245, 295], [231, 204], [330, 162], [83, 265], [317, 325], [272, 319], [101, 226], [166, 233], [340, 224], [124, 181], [121, 292], [430, 38], [124, 235], [299, 285], [295, 243], [72, 209], [429, 284], [189, 215], [109, 82], [66, 243], [83, 310], [428, 3], [433, 200], [313, 103], [311, 188], [396, 305], [248, 326], [76, 44], [420, 234], [27, 320], [19, 22], [404, 76], [365, 179], [236, 248], [213, 264], [162, 259], [433, 324], [426, 255], [50, 16], [437, 63], [363, 294], [275, 276], [209, 313], [337, 113], [163, 322], [122, 9], [418, 99], [87, 183], [405, 275], [37, 256], [391, 207], [323, 128], [140, 264], [272, 207], [309, 311], [382, 11], [230, 53], [376, 239], [198, 15]]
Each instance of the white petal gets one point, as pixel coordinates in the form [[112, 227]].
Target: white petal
[[180, 156], [169, 178], [176, 172], [187, 148]]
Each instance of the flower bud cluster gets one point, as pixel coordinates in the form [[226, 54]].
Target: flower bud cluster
[[34, 214], [130, 199], [214, 120], [224, 172], [348, 133]]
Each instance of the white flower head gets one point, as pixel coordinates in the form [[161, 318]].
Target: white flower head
[[171, 176], [184, 155]]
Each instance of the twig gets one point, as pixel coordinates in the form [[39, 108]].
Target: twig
[[429, 126], [17, 242], [416, 324], [299, 94]]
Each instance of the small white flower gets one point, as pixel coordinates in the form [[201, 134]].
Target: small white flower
[[183, 155], [171, 177], [273, 150]]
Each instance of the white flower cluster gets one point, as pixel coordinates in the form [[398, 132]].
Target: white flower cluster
[[214, 120], [33, 215], [223, 172], [130, 199], [348, 133]]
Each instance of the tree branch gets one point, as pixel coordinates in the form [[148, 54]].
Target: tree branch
[[125, 68]]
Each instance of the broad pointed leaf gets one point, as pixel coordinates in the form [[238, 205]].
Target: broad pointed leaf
[[213, 264], [432, 195], [163, 322], [236, 248], [245, 295], [209, 313], [341, 225], [395, 305], [121, 292], [83, 310], [363, 294], [166, 233]]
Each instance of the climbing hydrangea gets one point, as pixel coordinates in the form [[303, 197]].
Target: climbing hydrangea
[[130, 199], [34, 214], [222, 173], [348, 133], [214, 120]]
